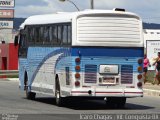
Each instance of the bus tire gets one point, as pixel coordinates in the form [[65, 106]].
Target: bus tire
[[111, 102], [29, 95], [116, 102], [59, 99], [121, 102]]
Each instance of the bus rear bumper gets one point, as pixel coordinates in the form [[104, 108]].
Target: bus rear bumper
[[108, 92]]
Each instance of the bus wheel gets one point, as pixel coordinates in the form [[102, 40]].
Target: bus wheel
[[116, 102], [29, 95], [111, 102], [121, 102], [59, 99]]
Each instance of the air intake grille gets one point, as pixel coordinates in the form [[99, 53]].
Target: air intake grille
[[90, 73], [126, 74]]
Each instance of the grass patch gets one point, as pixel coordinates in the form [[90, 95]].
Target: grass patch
[[9, 76], [12, 76]]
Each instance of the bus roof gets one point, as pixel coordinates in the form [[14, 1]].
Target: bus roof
[[60, 17]]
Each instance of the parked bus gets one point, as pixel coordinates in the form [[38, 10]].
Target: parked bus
[[86, 54]]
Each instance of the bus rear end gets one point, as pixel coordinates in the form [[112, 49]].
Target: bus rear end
[[107, 55]]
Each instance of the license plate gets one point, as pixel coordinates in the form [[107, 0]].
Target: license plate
[[109, 80], [108, 69]]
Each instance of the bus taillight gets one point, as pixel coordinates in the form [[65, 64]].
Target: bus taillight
[[139, 69], [139, 84], [77, 60], [77, 75], [77, 83], [140, 61], [77, 68], [139, 77]]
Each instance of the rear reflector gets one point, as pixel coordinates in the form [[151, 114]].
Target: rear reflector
[[77, 83], [77, 60], [139, 69], [139, 84], [78, 67], [140, 61], [77, 75], [139, 76]]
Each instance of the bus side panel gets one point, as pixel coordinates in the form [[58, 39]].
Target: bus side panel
[[44, 64], [36, 72], [64, 72], [23, 68]]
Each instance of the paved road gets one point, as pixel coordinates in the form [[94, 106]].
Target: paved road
[[12, 101]]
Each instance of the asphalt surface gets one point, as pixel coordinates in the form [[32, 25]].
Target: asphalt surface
[[13, 102]]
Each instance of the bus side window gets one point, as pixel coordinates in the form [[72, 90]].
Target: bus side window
[[55, 34], [50, 35], [41, 37], [46, 34], [69, 34], [37, 35], [31, 35], [59, 34], [65, 35]]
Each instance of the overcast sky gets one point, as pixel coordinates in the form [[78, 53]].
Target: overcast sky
[[149, 10]]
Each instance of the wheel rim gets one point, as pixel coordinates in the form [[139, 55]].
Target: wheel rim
[[26, 88], [57, 94]]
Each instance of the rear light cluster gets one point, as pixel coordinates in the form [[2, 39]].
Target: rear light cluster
[[139, 77], [77, 69], [139, 84], [77, 75], [77, 83], [140, 70], [77, 60]]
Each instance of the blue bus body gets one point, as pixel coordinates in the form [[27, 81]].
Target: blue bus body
[[91, 59]]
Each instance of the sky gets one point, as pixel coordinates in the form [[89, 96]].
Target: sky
[[148, 10]]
